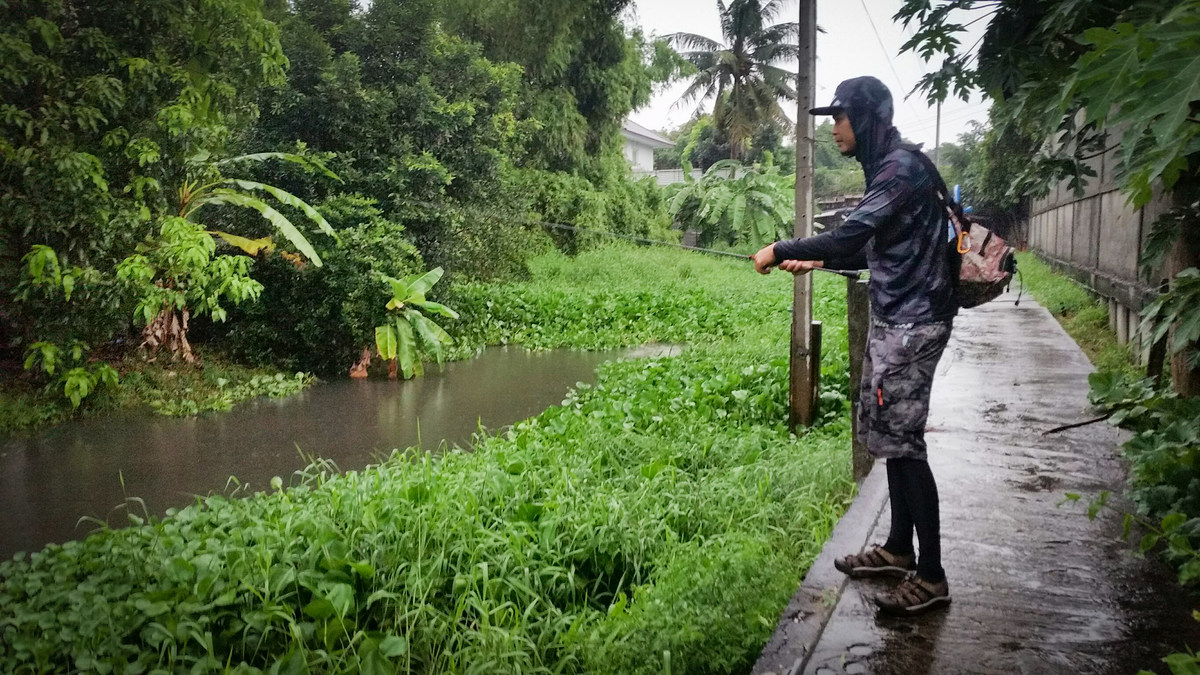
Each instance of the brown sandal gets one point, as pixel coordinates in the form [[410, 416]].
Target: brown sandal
[[914, 596], [875, 561]]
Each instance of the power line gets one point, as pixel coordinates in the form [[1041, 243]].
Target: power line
[[886, 56], [951, 117]]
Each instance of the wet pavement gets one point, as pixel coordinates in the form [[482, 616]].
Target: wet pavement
[[1036, 587]]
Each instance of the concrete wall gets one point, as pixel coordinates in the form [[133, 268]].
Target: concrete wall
[[1097, 237], [667, 176]]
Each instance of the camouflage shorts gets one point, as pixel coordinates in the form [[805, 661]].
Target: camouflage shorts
[[897, 378]]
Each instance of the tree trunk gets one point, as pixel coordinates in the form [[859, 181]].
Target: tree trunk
[[168, 331]]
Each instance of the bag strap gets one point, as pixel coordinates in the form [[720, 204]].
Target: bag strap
[[957, 217]]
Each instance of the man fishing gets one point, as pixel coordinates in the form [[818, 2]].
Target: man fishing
[[898, 231]]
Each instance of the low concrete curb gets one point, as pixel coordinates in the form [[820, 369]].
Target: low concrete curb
[[804, 618]]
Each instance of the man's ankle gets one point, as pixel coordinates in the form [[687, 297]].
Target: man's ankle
[[898, 550]]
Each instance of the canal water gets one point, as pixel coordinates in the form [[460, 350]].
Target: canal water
[[51, 479]]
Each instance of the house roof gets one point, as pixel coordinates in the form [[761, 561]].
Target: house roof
[[634, 131]]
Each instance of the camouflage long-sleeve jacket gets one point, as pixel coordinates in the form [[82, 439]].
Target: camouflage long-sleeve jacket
[[898, 232]]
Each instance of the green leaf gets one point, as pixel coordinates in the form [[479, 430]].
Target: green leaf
[[1172, 522], [281, 223], [406, 347], [437, 308], [342, 598], [420, 284], [401, 293], [319, 608], [386, 341], [250, 246], [1183, 664], [1149, 541], [393, 646], [307, 162], [738, 216], [430, 333], [1189, 572], [374, 663], [38, 259], [291, 200]]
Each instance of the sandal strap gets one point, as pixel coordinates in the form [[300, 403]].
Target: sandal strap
[[913, 591]]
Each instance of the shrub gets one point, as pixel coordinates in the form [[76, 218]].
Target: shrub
[[318, 319]]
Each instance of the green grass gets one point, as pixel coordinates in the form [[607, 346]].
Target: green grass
[[657, 521], [168, 388], [1084, 317]]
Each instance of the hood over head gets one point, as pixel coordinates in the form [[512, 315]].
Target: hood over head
[[868, 104]]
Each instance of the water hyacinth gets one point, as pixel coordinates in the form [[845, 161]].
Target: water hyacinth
[[656, 521]]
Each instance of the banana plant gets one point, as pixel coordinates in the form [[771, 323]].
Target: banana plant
[[244, 193], [408, 332], [179, 273], [736, 204]]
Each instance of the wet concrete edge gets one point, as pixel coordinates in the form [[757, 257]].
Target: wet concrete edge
[[804, 619]]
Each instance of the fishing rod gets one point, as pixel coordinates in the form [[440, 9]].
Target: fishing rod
[[656, 242]]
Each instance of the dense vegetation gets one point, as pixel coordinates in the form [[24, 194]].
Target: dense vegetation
[[423, 133], [654, 522]]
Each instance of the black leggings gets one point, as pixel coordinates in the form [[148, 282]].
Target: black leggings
[[914, 500]]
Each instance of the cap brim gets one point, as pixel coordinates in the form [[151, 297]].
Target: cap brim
[[826, 110]]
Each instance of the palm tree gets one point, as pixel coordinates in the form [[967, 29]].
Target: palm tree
[[742, 73]]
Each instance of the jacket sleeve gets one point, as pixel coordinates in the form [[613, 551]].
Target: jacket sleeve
[[858, 261], [892, 189]]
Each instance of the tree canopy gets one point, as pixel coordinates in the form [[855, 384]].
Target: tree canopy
[[742, 74], [1088, 75], [450, 125]]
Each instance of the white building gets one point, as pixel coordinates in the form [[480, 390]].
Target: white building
[[640, 144]]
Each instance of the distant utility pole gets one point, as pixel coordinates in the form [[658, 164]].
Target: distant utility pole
[[804, 363], [937, 137]]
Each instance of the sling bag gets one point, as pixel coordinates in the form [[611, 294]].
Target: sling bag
[[986, 262]]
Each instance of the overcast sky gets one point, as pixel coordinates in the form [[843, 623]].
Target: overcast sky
[[848, 48]]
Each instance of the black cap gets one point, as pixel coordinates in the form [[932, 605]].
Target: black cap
[[865, 93]]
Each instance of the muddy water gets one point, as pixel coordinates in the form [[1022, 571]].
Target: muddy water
[[51, 479]]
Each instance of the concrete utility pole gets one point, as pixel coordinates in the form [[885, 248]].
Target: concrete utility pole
[[802, 397], [937, 138]]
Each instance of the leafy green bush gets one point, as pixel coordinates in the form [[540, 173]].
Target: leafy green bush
[[102, 105], [408, 334], [618, 204], [1165, 450], [735, 205], [318, 319]]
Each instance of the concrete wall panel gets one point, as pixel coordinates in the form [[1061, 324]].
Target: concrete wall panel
[[1048, 228], [1066, 232], [1081, 234], [1108, 173], [1087, 232], [1093, 187], [1119, 237]]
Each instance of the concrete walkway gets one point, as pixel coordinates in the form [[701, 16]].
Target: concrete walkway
[[1036, 588]]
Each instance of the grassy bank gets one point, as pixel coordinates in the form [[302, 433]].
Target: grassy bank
[[655, 522], [168, 388], [1084, 317]]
